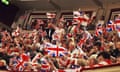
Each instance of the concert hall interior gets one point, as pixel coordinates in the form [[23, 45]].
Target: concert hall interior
[[59, 35]]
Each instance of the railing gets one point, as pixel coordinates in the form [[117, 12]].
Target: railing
[[108, 68]]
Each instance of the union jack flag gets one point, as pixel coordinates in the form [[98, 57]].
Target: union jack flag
[[118, 27], [81, 42], [117, 22], [99, 30], [21, 62], [55, 50], [110, 26], [45, 66], [85, 36]]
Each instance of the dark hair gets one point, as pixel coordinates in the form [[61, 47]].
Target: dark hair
[[105, 55]]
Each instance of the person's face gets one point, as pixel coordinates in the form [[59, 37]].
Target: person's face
[[60, 25], [95, 48], [107, 48], [1, 64], [71, 46], [100, 58], [118, 45]]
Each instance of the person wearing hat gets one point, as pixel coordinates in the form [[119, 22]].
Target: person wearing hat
[[3, 64]]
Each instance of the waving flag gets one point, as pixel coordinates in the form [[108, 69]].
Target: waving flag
[[50, 15], [56, 36], [55, 50], [118, 27], [20, 65], [45, 66], [21, 62], [117, 23], [99, 30], [16, 32], [81, 18], [78, 16], [81, 42], [34, 60], [110, 26], [85, 36]]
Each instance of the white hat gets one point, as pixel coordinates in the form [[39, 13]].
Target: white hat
[[94, 56], [3, 61], [111, 43]]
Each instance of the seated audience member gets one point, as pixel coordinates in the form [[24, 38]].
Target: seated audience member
[[2, 64], [116, 52], [103, 58]]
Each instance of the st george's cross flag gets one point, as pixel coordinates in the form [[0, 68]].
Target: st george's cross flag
[[78, 16], [16, 32], [81, 18]]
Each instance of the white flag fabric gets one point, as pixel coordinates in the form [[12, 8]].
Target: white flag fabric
[[77, 14], [118, 34]]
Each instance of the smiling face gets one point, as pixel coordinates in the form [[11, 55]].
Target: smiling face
[[71, 46], [118, 45], [2, 63]]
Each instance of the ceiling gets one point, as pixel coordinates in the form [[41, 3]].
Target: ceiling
[[61, 4]]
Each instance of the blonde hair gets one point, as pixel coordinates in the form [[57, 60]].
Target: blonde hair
[[3, 61]]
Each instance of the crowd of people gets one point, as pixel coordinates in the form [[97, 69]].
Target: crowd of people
[[56, 47]]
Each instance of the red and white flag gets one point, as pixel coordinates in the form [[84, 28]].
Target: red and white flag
[[81, 18], [78, 16], [34, 60], [56, 51], [22, 62], [16, 32], [45, 66]]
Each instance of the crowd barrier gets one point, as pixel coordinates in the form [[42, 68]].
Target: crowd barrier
[[108, 68]]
